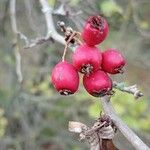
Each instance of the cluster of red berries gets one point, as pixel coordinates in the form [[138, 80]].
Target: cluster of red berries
[[90, 61]]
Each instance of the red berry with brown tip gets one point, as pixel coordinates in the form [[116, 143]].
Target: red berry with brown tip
[[95, 30], [112, 61], [97, 83], [87, 59], [65, 78]]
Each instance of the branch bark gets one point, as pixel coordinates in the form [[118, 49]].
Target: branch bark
[[128, 89], [50, 23], [51, 34], [16, 42], [51, 30], [125, 130]]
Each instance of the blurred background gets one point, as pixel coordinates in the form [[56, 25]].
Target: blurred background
[[33, 116]]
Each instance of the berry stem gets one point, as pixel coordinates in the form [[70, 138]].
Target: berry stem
[[67, 43], [78, 39], [64, 53], [68, 32]]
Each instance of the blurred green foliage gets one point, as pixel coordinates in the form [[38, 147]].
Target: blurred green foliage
[[51, 2], [3, 123], [110, 7]]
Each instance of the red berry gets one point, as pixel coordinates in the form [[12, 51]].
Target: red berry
[[95, 30], [112, 61], [65, 78], [87, 59], [97, 83]]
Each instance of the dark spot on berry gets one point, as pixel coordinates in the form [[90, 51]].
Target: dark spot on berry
[[100, 93], [97, 22], [86, 68], [65, 92]]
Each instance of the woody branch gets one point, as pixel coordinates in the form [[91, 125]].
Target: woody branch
[[15, 42]]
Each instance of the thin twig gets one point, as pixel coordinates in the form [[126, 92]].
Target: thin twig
[[129, 89], [68, 31], [38, 41], [16, 42], [137, 143], [50, 23], [66, 46], [51, 30]]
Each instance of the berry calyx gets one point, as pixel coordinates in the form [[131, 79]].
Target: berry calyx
[[112, 61], [95, 30], [65, 78], [98, 83], [87, 59]]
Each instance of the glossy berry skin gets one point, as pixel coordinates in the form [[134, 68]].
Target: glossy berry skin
[[113, 61], [65, 78], [87, 59], [98, 83], [95, 30]]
